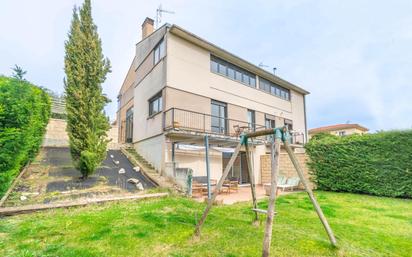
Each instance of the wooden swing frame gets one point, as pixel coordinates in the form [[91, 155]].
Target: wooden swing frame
[[280, 135]]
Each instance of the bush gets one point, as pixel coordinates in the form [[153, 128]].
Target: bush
[[24, 113], [377, 164]]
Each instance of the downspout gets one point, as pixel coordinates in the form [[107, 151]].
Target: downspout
[[306, 124]]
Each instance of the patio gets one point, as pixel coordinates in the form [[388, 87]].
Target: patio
[[243, 194]]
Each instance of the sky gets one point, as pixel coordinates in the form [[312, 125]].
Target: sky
[[354, 56]]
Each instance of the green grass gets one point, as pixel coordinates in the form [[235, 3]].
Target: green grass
[[364, 226]]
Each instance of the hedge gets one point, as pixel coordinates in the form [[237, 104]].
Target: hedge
[[24, 113], [377, 164]]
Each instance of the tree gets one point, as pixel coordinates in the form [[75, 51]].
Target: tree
[[18, 72], [86, 69]]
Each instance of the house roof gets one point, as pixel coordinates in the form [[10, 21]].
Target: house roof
[[337, 127], [176, 30]]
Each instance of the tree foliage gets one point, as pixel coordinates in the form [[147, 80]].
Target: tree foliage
[[24, 113], [18, 72], [377, 164], [86, 70]]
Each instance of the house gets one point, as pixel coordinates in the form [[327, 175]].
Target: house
[[339, 130], [181, 87]]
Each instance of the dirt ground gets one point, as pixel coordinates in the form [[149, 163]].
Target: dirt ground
[[53, 178]]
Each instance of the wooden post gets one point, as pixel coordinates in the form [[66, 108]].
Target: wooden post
[[217, 189], [252, 178], [310, 193], [209, 191], [275, 152]]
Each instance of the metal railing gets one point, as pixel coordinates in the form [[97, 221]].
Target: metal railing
[[185, 120], [180, 119]]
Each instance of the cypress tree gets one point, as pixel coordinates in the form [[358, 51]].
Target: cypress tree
[[86, 69]]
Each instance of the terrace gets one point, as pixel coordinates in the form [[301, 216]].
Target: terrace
[[183, 124]]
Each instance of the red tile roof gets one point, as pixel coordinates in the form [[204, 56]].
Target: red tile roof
[[337, 127]]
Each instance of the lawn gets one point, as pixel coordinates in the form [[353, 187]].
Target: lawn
[[364, 226]]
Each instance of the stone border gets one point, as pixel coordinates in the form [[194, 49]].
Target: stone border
[[10, 211], [13, 184]]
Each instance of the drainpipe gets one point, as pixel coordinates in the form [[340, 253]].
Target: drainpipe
[[306, 124]]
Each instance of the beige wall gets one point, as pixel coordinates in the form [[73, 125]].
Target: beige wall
[[189, 70], [140, 67], [143, 125], [196, 161], [56, 135], [151, 149]]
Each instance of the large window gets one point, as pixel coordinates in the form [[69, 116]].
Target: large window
[[219, 115], [274, 89], [155, 104], [234, 72], [159, 52], [251, 119]]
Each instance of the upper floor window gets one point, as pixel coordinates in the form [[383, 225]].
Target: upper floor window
[[156, 104], [234, 72], [159, 52], [274, 89]]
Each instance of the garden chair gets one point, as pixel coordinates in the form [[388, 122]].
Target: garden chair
[[290, 183]]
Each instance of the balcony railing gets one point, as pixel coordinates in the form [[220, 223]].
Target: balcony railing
[[185, 120], [180, 119]]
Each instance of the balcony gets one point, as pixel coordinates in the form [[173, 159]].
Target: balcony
[[185, 121]]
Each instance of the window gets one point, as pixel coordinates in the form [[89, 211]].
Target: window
[[270, 121], [218, 119], [289, 124], [251, 119], [156, 104], [274, 89], [342, 133], [129, 125], [159, 52], [234, 72]]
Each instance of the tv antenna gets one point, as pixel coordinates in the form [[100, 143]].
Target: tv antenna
[[159, 12], [262, 65]]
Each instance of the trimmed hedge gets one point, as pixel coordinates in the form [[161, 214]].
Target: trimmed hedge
[[24, 113], [377, 164]]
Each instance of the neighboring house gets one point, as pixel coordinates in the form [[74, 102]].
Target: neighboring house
[[339, 130], [181, 87]]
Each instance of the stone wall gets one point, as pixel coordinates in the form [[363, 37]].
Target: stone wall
[[56, 135], [285, 167]]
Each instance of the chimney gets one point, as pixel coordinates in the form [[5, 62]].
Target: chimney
[[147, 27]]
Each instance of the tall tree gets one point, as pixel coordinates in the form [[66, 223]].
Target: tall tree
[[18, 72], [86, 70]]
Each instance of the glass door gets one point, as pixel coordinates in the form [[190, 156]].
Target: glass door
[[219, 116]]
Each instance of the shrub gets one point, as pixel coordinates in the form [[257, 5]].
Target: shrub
[[377, 164], [24, 113]]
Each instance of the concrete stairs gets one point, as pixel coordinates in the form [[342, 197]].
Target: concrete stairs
[[147, 169]]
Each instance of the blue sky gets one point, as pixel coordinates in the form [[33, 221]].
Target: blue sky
[[355, 57]]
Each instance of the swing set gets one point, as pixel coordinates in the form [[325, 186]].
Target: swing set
[[279, 135]]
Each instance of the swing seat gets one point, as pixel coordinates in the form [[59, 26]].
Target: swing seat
[[262, 211]]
